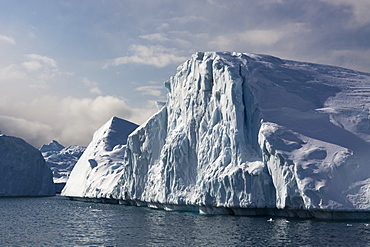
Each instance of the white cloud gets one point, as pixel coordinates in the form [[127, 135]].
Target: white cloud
[[268, 2], [26, 112], [358, 60], [32, 65], [245, 26], [188, 19], [7, 39], [69, 120], [155, 37], [80, 117], [41, 68], [35, 71], [163, 26], [33, 131], [92, 85], [42, 59], [157, 56], [150, 90], [179, 39], [258, 38], [261, 37], [218, 4], [95, 90], [252, 37], [360, 9], [11, 72]]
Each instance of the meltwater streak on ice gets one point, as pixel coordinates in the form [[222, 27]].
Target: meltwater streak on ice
[[244, 131], [54, 221]]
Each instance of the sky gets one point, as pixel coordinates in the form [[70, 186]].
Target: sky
[[67, 66]]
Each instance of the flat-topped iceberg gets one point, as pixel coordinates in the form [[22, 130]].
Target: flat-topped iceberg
[[250, 134], [23, 171]]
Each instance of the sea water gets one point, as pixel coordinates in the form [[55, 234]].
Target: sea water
[[56, 221]]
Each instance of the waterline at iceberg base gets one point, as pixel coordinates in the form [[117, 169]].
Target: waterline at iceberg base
[[210, 210], [243, 134]]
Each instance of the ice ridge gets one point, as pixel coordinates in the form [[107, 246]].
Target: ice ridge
[[98, 169]]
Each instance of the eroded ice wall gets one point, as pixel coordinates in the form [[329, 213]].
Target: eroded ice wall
[[243, 131], [254, 131], [205, 149]]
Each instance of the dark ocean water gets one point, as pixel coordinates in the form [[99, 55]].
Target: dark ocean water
[[55, 221]]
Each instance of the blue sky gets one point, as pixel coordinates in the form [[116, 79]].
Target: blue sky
[[67, 66]]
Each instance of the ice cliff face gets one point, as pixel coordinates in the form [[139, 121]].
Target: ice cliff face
[[253, 131], [96, 173], [23, 171]]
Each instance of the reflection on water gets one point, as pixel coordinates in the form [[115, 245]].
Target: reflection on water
[[55, 221]]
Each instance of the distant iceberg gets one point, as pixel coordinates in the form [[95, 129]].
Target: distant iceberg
[[61, 161], [23, 171], [246, 134]]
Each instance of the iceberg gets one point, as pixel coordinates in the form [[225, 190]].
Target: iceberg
[[61, 161], [52, 147], [23, 171], [97, 171], [251, 134]]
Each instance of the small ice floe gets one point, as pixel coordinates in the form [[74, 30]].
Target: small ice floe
[[270, 220], [366, 224], [349, 224]]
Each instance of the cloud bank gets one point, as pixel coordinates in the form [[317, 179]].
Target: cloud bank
[[32, 108], [69, 120], [66, 67]]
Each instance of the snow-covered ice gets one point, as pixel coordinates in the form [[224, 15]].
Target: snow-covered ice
[[23, 171], [247, 131], [61, 161], [96, 173], [52, 147]]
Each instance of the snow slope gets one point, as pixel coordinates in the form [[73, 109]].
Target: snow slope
[[245, 131], [97, 171], [23, 171], [61, 159]]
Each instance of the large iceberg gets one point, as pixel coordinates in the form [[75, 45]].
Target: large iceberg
[[252, 134], [97, 171], [61, 161], [23, 171]]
